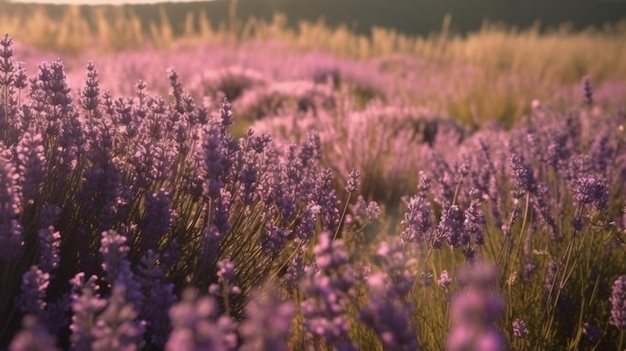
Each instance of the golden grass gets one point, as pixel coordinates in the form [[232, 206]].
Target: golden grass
[[560, 55], [509, 67]]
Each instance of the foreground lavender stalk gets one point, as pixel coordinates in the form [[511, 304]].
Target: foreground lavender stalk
[[389, 309], [475, 310], [268, 321], [329, 290], [197, 325], [33, 337], [618, 303]]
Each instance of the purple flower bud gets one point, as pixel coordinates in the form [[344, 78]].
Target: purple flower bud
[[49, 245], [519, 328], [197, 325], [451, 226], [444, 280], [587, 91], [117, 327], [372, 211], [353, 181], [474, 220], [417, 221], [522, 175], [176, 88], [90, 95], [213, 158], [528, 270], [268, 321], [591, 190], [159, 218], [593, 333], [226, 114], [33, 336], [114, 254], [33, 287], [274, 239], [11, 240], [226, 269], [86, 304], [21, 78]]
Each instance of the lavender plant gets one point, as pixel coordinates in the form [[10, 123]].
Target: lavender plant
[[161, 222]]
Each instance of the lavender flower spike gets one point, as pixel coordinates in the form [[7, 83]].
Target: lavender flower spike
[[33, 337], [587, 91], [519, 328], [34, 285], [268, 321], [618, 303], [11, 240], [353, 181]]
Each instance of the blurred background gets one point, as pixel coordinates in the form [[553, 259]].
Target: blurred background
[[474, 60], [414, 17]]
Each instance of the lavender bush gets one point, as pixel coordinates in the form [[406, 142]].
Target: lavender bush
[[145, 221]]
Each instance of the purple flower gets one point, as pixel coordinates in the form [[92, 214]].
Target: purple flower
[[587, 91], [226, 269], [176, 88], [528, 270], [305, 229], [20, 76], [33, 336], [34, 285], [465, 338], [197, 325], [474, 220], [268, 321], [593, 333], [222, 212], [90, 95], [591, 190], [31, 165], [522, 175], [373, 210], [249, 177], [273, 239], [311, 149], [444, 280], [329, 291], [417, 221], [159, 298], [519, 328], [618, 303], [49, 245], [390, 318], [353, 181], [114, 254], [158, 219], [324, 196], [86, 304], [295, 269], [118, 327], [11, 240], [397, 266], [213, 158], [226, 114], [451, 226]]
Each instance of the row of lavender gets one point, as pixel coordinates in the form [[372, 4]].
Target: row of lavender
[[142, 223]]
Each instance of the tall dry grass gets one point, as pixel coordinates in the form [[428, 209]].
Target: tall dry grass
[[560, 55]]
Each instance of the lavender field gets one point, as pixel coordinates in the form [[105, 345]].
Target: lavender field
[[282, 192]]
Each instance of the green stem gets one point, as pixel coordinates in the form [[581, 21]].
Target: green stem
[[343, 215]]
